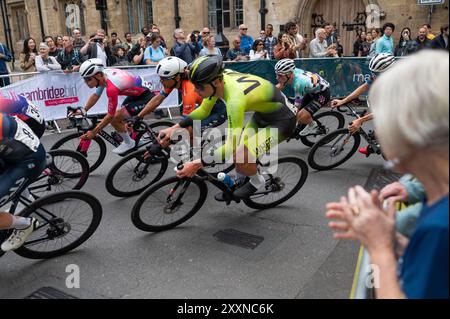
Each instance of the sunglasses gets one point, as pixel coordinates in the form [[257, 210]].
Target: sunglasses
[[200, 87], [166, 78], [88, 79], [244, 29], [206, 33], [260, 44]]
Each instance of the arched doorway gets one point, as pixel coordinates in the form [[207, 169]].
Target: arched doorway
[[348, 17]]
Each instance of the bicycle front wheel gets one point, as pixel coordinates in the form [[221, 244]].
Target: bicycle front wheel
[[291, 174], [328, 122], [333, 150], [168, 204], [66, 220], [133, 174]]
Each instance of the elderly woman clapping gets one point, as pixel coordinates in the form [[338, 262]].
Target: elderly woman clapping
[[412, 123], [44, 62]]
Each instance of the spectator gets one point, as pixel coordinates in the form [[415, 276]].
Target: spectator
[[45, 62], [270, 41], [441, 41], [154, 52], [284, 50], [193, 39], [78, 42], [430, 35], [145, 31], [53, 50], [318, 47], [296, 41], [183, 50], [129, 43], [262, 35], [235, 53], [136, 54], [59, 42], [339, 47], [246, 40], [258, 51], [376, 34], [418, 145], [120, 55], [5, 56], [362, 37], [115, 39], [406, 45], [156, 30], [422, 40], [28, 56], [386, 43], [364, 48], [209, 46], [70, 59], [97, 48], [205, 32], [331, 35]]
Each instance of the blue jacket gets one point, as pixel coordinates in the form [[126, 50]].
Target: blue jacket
[[385, 45], [246, 44], [185, 51], [4, 50]]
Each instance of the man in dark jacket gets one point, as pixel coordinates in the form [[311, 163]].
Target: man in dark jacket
[[441, 41], [422, 41], [96, 48], [5, 56], [69, 58], [182, 49]]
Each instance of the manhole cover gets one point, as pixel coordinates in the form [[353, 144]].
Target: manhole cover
[[49, 293], [379, 178], [237, 238]]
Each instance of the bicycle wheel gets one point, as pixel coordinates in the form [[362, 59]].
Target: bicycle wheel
[[290, 176], [333, 150], [168, 204], [133, 174], [329, 122], [68, 170], [95, 154], [66, 221]]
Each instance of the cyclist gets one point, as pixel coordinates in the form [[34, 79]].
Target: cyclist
[[241, 93], [378, 64], [117, 83], [17, 105], [22, 159], [172, 72], [312, 92]]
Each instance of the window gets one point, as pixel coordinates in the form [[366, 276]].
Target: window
[[232, 13], [72, 16], [20, 23], [140, 14]]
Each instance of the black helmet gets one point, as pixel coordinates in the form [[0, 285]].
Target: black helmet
[[206, 69]]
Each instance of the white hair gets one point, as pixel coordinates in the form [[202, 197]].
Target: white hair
[[318, 31], [410, 103]]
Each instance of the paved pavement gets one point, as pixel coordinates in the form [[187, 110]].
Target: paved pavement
[[297, 259]]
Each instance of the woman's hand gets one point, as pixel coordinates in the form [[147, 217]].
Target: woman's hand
[[395, 192]]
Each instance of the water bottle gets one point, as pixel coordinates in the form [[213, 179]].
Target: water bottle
[[226, 179]]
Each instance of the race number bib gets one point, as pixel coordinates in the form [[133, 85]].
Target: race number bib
[[26, 136], [33, 112]]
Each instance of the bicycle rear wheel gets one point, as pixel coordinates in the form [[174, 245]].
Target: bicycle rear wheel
[[133, 174], [290, 176], [95, 153], [333, 150], [328, 122], [168, 204], [68, 170], [66, 221]]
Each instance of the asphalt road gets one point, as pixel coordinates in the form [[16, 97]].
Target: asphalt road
[[296, 259]]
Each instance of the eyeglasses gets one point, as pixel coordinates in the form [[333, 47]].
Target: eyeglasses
[[199, 87], [88, 79], [244, 29], [166, 78], [260, 44], [206, 33]]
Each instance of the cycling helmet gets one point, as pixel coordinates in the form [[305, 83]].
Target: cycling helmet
[[91, 67], [381, 62], [285, 66], [206, 69], [170, 67]]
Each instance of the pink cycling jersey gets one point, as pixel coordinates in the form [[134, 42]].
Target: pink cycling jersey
[[120, 82]]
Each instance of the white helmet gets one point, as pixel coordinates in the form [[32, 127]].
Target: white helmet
[[381, 62], [285, 66], [170, 67], [91, 67]]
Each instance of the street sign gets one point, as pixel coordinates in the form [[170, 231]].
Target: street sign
[[430, 2]]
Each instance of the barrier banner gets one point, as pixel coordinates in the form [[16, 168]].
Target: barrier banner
[[343, 74], [52, 92]]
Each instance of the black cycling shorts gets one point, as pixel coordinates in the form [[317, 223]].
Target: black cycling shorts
[[314, 102], [135, 104]]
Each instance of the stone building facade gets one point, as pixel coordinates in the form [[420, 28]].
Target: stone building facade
[[131, 15]]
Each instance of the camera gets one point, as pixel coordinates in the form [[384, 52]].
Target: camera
[[98, 40]]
